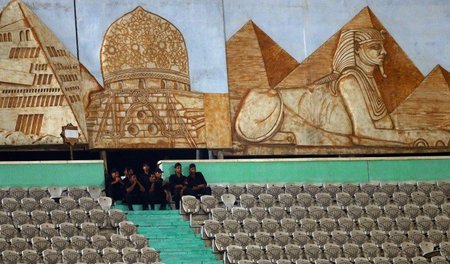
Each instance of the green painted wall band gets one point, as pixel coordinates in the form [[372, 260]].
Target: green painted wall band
[[52, 173], [321, 170]]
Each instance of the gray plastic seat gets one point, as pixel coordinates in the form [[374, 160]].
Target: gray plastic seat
[[59, 243], [48, 204], [222, 241], [130, 255], [67, 230], [39, 217], [219, 214], [55, 191], [293, 189], [88, 229], [236, 190], [217, 191], [139, 241], [251, 226], [100, 242], [304, 200], [20, 217], [40, 244], [234, 254], [29, 204], [274, 252], [300, 238], [247, 201], [89, 255], [239, 213], [312, 188], [281, 238], [116, 216], [98, 216], [127, 228], [68, 203], [94, 192], [231, 226], [87, 204], [10, 256], [274, 189], [78, 243], [266, 200], [37, 193], [30, 256], [390, 250], [253, 252], [228, 200], [323, 199], [211, 228], [48, 230], [76, 192], [262, 239], [50, 256], [242, 239], [293, 252], [111, 255], [351, 251], [105, 202], [255, 189], [19, 244], [119, 242], [18, 193], [208, 202], [286, 200]]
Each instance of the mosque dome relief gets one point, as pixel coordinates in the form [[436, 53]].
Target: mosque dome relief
[[144, 50]]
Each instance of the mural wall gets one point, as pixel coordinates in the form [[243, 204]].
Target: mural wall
[[282, 78]]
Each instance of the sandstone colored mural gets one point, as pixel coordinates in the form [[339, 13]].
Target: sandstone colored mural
[[147, 101], [357, 93], [42, 86]]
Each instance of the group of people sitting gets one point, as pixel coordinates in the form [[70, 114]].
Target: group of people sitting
[[149, 188]]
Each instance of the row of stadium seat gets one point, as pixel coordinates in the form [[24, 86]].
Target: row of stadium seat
[[326, 222]]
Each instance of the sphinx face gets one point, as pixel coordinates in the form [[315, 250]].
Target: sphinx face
[[372, 53]]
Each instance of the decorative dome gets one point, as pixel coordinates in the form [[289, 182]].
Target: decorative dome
[[141, 44]]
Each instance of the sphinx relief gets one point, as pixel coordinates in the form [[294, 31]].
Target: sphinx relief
[[340, 109]]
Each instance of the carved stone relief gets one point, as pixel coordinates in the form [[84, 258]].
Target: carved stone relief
[[358, 93], [42, 86], [147, 101]]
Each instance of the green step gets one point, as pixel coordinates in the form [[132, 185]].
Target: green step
[[172, 236]]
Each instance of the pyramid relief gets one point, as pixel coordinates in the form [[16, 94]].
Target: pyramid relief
[[357, 93], [42, 86], [428, 106]]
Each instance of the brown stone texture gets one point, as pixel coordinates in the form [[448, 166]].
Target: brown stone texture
[[428, 106], [217, 119], [402, 75]]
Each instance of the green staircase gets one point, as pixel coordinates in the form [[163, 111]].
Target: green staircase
[[169, 234]]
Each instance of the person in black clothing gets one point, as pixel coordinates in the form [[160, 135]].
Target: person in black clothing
[[177, 183], [144, 179], [158, 192], [196, 183], [114, 185], [135, 192]]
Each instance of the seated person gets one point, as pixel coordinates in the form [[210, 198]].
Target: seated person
[[135, 192], [196, 183], [114, 185], [157, 191], [177, 182]]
